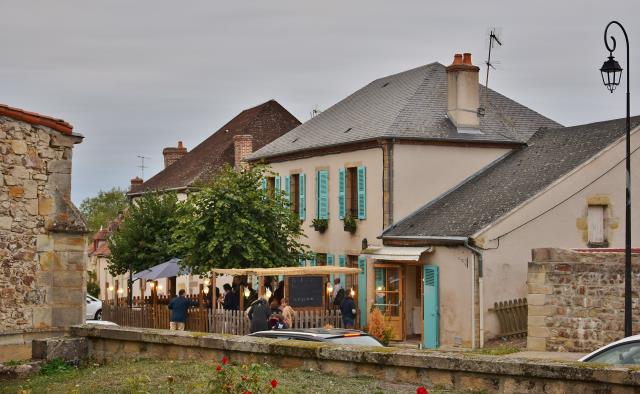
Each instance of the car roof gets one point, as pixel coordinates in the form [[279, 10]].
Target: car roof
[[313, 332], [633, 338]]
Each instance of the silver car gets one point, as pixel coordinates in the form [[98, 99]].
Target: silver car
[[94, 308]]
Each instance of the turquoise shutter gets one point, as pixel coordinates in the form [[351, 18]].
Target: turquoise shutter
[[287, 187], [330, 261], [342, 261], [303, 197], [342, 201], [431, 307], [362, 193], [264, 184], [277, 185], [313, 261], [302, 262], [323, 194], [362, 290]]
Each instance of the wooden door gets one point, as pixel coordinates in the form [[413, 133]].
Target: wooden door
[[389, 289]]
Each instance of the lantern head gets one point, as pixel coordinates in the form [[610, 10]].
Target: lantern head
[[611, 73]]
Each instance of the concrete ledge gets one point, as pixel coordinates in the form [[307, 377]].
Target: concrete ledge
[[440, 369]]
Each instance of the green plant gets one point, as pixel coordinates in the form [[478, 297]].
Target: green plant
[[387, 335], [93, 288], [242, 379], [320, 225], [55, 366], [98, 211], [350, 224], [14, 363]]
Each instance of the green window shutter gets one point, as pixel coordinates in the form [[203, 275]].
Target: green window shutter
[[323, 194], [342, 201], [303, 197], [313, 261], [264, 184], [342, 261], [302, 262], [362, 193], [362, 290], [330, 261], [277, 185], [287, 187]]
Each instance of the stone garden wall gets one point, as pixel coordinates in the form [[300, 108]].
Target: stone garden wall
[[576, 299], [434, 369], [42, 236]]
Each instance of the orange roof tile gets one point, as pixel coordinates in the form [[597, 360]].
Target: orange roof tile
[[36, 118]]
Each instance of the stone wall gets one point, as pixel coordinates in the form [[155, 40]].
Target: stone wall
[[42, 236], [576, 299], [434, 369]]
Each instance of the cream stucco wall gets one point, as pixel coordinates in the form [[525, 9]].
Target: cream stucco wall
[[335, 240], [505, 260], [423, 172]]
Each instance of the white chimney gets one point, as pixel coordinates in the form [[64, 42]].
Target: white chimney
[[463, 94]]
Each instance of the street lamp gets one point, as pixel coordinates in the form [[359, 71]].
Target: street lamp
[[611, 75]]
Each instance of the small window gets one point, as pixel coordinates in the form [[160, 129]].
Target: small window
[[595, 230], [351, 192], [294, 198]]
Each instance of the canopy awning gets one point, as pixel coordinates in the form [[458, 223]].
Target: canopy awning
[[165, 270], [397, 253], [288, 271]]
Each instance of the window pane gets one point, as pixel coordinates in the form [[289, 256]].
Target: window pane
[[628, 353]]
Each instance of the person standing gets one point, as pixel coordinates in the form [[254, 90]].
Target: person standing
[[179, 306], [348, 311], [287, 313], [338, 293], [229, 303], [259, 315]]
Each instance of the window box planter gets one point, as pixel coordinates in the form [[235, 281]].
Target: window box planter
[[350, 224], [320, 225]]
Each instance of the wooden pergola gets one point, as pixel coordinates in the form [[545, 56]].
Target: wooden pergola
[[285, 271]]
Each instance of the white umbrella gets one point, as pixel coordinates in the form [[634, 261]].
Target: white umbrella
[[165, 270]]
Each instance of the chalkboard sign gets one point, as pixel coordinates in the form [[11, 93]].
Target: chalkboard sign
[[306, 291]]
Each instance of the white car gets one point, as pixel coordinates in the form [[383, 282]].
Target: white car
[[94, 308], [624, 351]]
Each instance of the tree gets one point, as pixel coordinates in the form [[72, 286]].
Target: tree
[[144, 237], [98, 211], [232, 223]]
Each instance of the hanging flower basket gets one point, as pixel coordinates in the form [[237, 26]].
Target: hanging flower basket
[[320, 225], [350, 224]]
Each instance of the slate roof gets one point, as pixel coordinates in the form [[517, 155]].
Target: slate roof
[[412, 105], [508, 182], [265, 122]]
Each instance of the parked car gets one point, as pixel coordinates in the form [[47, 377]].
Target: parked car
[[624, 351], [94, 308], [333, 335], [102, 323]]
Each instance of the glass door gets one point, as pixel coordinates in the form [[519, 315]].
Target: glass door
[[388, 297]]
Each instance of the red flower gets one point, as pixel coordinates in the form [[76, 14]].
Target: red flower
[[225, 360], [274, 383], [247, 392], [421, 390], [219, 368]]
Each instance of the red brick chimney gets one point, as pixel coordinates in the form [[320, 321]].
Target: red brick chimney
[[135, 183], [243, 147], [172, 154], [463, 93]]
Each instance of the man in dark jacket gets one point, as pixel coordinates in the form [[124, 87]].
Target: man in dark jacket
[[348, 311], [179, 306], [230, 302], [259, 315]]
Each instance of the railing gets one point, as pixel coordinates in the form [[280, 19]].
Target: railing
[[512, 315], [207, 320]]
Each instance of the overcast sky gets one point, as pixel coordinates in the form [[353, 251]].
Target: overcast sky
[[136, 76]]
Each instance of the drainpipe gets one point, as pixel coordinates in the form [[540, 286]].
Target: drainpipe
[[478, 254]]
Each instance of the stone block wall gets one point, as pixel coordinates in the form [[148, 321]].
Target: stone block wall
[[576, 299], [42, 236]]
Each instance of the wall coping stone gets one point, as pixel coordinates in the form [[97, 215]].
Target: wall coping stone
[[398, 357]]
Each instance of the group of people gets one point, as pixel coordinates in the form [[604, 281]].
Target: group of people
[[344, 301], [265, 315]]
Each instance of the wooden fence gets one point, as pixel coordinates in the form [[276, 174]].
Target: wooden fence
[[512, 315], [207, 320]]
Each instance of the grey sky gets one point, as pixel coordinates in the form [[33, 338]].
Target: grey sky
[[136, 76]]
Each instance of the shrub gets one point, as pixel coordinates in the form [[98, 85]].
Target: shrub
[[242, 379]]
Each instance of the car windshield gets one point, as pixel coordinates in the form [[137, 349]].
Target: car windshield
[[626, 353], [363, 340]]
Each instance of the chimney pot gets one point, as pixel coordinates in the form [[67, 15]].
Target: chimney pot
[[457, 59], [467, 59], [172, 154]]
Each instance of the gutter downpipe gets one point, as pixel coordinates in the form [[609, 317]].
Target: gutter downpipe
[[478, 254]]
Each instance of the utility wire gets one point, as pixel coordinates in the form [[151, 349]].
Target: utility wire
[[566, 199]]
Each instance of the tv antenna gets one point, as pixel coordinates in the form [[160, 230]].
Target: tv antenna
[[493, 40], [142, 166]]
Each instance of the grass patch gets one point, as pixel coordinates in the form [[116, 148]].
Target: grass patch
[[496, 351], [14, 363]]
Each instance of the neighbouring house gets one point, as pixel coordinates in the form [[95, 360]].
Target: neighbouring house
[[565, 189], [375, 157], [42, 234], [184, 171]]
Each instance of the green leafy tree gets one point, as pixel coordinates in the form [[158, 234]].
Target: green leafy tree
[[144, 237], [232, 223], [98, 211]]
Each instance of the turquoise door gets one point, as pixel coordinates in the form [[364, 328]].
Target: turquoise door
[[431, 335]]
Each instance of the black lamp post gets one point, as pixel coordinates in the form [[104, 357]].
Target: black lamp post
[[611, 74]]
